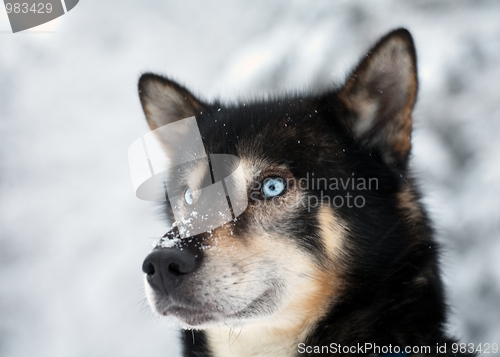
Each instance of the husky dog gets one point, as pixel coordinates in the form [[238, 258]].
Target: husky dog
[[334, 254]]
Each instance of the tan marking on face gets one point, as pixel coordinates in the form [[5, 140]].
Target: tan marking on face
[[280, 334], [222, 240], [251, 170], [332, 233], [196, 175], [311, 300], [309, 292]]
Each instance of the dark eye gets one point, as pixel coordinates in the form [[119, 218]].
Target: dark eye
[[273, 186]]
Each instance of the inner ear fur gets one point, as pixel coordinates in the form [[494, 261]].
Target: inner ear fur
[[164, 101], [380, 94]]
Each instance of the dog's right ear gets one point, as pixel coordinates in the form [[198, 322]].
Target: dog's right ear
[[165, 101], [380, 93]]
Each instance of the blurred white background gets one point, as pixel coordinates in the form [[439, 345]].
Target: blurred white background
[[72, 234]]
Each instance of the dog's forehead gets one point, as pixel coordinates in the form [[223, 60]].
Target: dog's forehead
[[264, 134]]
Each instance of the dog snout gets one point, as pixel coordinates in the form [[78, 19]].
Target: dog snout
[[166, 268]]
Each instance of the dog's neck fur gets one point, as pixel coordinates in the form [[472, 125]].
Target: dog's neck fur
[[256, 340], [250, 341]]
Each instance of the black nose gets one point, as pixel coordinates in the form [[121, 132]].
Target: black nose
[[167, 267]]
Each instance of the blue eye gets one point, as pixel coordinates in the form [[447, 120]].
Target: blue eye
[[188, 196], [273, 186]]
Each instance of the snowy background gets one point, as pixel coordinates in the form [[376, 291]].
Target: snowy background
[[72, 234]]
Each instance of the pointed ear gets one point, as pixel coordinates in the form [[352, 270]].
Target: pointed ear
[[164, 101], [380, 94]]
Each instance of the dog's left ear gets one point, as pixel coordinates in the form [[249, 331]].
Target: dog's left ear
[[380, 94]]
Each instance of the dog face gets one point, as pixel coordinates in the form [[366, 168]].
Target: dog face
[[323, 175]]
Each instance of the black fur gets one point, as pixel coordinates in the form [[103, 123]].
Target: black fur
[[194, 343]]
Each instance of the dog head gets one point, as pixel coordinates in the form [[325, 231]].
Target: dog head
[[322, 175]]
